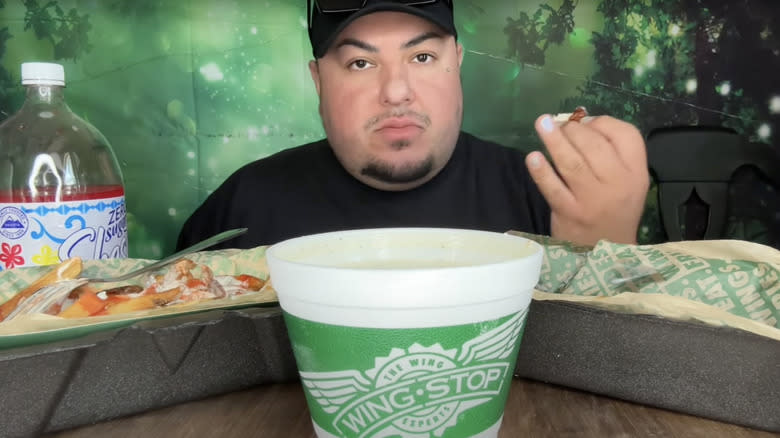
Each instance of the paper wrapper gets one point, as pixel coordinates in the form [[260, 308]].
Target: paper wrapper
[[223, 262], [721, 283]]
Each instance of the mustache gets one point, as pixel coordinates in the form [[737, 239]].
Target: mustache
[[398, 113]]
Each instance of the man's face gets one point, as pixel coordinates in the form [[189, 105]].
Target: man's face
[[390, 99]]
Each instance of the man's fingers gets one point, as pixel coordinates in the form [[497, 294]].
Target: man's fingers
[[631, 150], [601, 184], [570, 163], [554, 190], [600, 155]]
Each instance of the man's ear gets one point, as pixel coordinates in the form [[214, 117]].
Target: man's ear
[[459, 49], [314, 69]]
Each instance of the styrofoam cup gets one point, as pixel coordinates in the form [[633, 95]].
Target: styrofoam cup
[[410, 332]]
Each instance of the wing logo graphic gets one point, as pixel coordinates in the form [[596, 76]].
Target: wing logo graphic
[[417, 391]]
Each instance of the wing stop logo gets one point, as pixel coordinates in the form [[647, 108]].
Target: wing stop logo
[[413, 392]]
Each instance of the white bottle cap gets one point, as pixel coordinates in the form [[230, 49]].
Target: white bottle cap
[[43, 73]]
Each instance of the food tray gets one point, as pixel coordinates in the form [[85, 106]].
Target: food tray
[[148, 365], [720, 373]]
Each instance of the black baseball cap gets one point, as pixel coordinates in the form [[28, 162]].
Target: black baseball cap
[[327, 18]]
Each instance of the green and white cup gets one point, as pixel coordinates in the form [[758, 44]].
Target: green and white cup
[[410, 332]]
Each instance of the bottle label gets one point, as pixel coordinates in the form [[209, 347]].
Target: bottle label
[[46, 233]]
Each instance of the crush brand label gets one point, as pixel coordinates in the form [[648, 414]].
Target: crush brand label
[[419, 389], [44, 234]]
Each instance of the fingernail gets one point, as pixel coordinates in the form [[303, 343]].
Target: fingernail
[[534, 160], [547, 123]]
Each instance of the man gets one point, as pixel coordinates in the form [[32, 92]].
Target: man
[[388, 79]]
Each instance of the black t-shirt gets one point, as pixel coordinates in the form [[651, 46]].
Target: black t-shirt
[[305, 190]]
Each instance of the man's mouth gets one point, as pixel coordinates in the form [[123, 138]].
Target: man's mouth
[[398, 123], [396, 129]]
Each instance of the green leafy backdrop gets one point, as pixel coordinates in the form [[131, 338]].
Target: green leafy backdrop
[[187, 91]]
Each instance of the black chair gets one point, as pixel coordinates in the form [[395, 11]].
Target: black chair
[[695, 169]]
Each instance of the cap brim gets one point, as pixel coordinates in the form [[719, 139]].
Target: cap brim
[[426, 12]]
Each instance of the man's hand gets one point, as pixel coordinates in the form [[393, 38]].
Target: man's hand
[[601, 183]]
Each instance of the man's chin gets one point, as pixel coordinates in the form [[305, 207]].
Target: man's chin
[[402, 175]]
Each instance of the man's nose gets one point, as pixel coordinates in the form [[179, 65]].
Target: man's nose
[[396, 88]]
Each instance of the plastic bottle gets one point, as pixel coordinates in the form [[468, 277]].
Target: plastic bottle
[[61, 190]]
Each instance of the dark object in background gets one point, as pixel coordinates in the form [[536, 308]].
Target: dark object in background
[[710, 178]]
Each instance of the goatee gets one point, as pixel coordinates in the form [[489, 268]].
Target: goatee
[[387, 173]]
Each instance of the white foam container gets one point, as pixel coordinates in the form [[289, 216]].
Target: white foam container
[[404, 277]]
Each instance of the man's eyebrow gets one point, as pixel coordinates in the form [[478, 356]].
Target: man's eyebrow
[[357, 43], [417, 40], [369, 48]]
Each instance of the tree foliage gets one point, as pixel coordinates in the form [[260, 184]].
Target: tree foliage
[[530, 35], [669, 62], [66, 30]]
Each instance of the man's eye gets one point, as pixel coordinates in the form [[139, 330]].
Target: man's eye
[[423, 58], [359, 64]]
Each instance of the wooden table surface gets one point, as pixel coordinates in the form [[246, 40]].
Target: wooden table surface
[[534, 409]]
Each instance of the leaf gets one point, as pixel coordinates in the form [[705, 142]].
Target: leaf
[[67, 31], [530, 36]]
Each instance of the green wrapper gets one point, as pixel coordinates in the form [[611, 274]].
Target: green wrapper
[[725, 282]]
